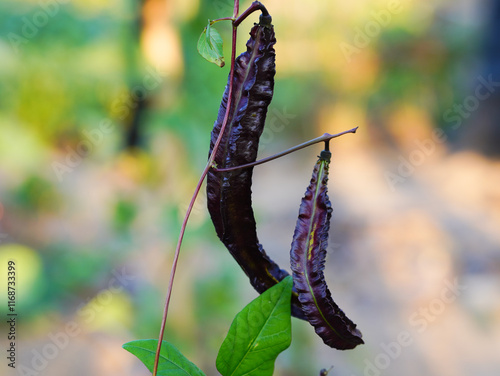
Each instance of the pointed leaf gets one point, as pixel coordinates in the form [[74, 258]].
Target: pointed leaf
[[308, 256], [258, 334], [210, 45], [172, 362]]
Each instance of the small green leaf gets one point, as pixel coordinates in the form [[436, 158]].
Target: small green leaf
[[210, 45], [258, 334], [171, 363]]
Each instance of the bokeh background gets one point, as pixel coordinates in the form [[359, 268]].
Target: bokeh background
[[105, 114]]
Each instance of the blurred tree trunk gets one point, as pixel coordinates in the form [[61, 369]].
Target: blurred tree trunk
[[481, 131], [131, 44]]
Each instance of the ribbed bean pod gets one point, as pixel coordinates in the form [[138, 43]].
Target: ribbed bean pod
[[229, 193], [308, 256]]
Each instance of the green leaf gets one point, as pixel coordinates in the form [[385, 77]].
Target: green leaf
[[171, 363], [258, 334], [210, 45]]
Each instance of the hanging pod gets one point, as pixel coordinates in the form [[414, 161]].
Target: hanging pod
[[307, 258], [229, 194]]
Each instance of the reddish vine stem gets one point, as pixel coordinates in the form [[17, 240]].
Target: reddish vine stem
[[236, 21], [324, 138], [191, 205]]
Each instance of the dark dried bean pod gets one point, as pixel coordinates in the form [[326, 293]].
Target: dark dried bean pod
[[308, 256], [229, 193]]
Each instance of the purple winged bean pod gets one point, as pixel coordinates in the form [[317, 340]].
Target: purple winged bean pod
[[308, 256], [229, 193]]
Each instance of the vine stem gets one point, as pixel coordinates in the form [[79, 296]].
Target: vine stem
[[324, 138], [195, 195], [256, 5]]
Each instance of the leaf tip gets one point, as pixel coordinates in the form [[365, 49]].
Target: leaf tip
[[220, 62]]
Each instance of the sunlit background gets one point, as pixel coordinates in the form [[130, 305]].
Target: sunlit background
[[106, 110]]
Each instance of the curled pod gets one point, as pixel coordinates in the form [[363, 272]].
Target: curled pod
[[229, 194], [308, 256]]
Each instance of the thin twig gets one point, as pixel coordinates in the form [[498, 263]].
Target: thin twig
[[221, 19], [325, 137]]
